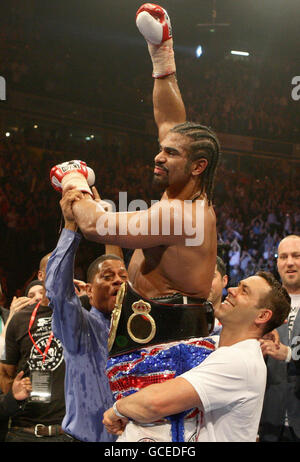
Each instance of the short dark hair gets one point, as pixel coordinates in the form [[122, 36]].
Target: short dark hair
[[94, 266], [277, 300], [221, 267], [204, 144], [44, 262]]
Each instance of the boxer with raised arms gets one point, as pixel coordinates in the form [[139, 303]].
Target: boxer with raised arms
[[170, 273], [185, 166]]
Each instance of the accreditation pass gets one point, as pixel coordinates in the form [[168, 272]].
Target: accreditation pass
[[41, 386]]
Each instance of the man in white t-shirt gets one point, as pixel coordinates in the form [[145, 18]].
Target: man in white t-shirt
[[228, 386], [281, 412]]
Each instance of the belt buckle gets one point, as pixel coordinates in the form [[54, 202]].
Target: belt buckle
[[36, 430]]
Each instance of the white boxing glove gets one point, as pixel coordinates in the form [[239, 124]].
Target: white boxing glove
[[74, 174], [154, 24]]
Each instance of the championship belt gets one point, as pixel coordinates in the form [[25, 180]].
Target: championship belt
[[138, 322]]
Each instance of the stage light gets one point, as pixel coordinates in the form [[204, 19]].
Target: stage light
[[199, 51], [35, 126], [7, 134], [240, 53]]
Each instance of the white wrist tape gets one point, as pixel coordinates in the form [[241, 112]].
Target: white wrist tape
[[78, 180], [163, 59]]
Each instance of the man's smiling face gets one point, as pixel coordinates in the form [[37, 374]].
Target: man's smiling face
[[288, 264], [242, 303]]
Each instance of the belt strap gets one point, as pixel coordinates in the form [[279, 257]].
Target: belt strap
[[40, 430]]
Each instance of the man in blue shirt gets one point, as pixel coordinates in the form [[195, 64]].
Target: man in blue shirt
[[83, 333]]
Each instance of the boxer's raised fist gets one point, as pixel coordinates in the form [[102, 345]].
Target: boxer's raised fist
[[153, 23], [74, 173]]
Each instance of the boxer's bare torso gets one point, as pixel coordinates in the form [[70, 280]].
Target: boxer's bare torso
[[165, 263], [165, 270]]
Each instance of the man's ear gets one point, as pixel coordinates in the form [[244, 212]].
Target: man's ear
[[199, 165], [88, 289], [225, 280], [40, 275], [263, 316]]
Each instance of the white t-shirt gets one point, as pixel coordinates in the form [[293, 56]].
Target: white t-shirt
[[231, 384], [295, 305]]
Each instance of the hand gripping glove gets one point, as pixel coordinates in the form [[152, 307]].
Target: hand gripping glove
[[73, 173], [154, 24]]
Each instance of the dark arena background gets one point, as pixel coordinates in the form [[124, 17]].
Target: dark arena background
[[76, 84]]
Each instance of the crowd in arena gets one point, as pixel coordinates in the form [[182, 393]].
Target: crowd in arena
[[250, 96]]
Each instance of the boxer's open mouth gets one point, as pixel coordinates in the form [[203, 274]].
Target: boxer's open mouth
[[160, 170]]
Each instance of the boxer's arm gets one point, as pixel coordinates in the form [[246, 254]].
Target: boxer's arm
[[154, 24], [168, 105], [159, 225]]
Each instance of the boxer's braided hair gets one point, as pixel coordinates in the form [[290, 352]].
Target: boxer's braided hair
[[204, 144]]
